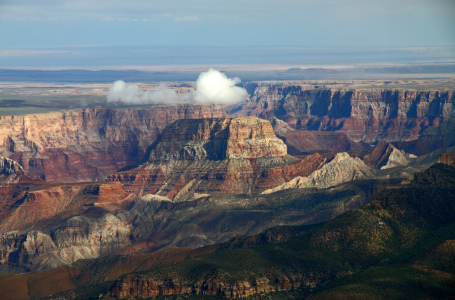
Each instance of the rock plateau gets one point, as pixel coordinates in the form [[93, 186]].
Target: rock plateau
[[370, 115]]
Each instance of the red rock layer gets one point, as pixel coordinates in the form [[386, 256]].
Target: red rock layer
[[229, 155], [446, 158], [303, 141], [378, 156], [143, 287], [27, 202], [364, 115], [222, 176], [88, 144]]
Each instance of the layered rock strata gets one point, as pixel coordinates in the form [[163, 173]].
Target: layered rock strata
[[78, 238], [146, 287], [385, 155], [231, 155], [9, 167], [342, 168], [446, 158], [364, 115], [64, 223], [88, 144]]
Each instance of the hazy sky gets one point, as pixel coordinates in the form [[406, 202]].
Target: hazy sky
[[34, 28]]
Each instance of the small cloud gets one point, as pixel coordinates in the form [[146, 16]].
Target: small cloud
[[186, 18], [20, 52]]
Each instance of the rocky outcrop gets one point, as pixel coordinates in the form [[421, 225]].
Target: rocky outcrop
[[145, 287], [48, 225], [88, 144], [304, 142], [31, 203], [342, 168], [385, 155], [217, 139], [397, 158], [78, 238], [13, 186], [356, 241], [364, 115], [230, 155], [446, 158], [9, 167]]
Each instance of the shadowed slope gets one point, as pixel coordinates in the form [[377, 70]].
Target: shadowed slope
[[394, 228]]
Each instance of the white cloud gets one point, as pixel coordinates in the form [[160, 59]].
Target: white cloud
[[211, 87], [187, 18], [214, 87], [131, 94]]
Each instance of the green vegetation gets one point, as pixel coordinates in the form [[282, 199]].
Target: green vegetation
[[398, 246], [404, 282]]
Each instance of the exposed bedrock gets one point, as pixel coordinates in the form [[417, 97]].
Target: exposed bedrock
[[364, 115], [78, 238], [222, 286], [230, 155], [88, 144]]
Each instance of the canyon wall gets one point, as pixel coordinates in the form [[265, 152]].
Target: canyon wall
[[229, 155], [88, 144], [368, 115]]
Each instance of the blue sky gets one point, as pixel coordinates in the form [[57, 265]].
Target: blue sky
[[38, 31]]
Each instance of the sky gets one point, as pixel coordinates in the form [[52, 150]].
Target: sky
[[154, 32]]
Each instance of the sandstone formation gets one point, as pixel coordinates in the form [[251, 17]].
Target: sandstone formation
[[231, 155], [79, 238], [385, 155], [222, 286], [45, 225], [446, 158], [304, 142], [193, 159], [218, 139], [88, 144], [98, 221], [363, 115], [9, 167], [13, 186], [342, 168]]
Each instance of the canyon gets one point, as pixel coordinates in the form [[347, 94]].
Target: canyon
[[92, 185], [350, 243], [230, 155], [88, 144], [93, 143], [363, 115], [199, 186]]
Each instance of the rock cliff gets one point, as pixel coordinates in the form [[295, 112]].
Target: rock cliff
[[231, 155], [385, 155], [364, 115], [219, 285], [217, 139], [9, 167], [446, 158], [88, 144], [342, 168], [78, 238]]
